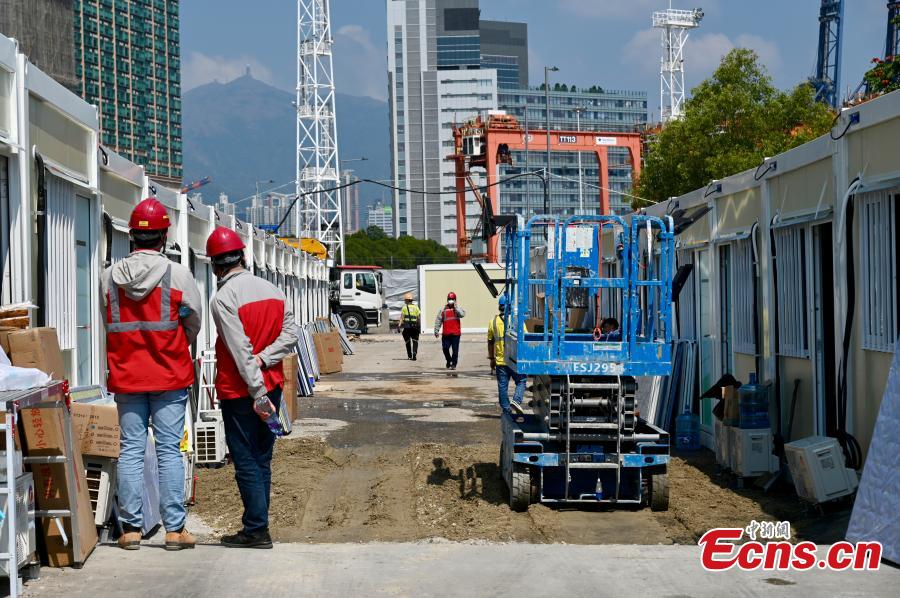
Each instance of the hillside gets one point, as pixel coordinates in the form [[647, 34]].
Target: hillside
[[244, 131]]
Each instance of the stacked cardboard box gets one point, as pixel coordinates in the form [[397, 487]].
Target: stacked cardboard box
[[44, 436], [37, 348], [96, 429], [329, 352], [289, 397]]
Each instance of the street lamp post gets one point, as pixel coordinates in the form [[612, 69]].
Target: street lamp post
[[578, 111], [525, 109], [547, 71]]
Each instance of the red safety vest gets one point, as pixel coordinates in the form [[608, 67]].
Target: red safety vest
[[146, 347], [262, 322], [451, 322]]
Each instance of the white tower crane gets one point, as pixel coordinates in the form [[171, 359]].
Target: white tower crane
[[318, 163], [675, 25]]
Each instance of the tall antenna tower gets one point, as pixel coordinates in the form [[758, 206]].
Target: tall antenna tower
[[318, 164], [675, 25]]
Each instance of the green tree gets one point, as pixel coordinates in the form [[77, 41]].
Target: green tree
[[372, 247], [734, 120]]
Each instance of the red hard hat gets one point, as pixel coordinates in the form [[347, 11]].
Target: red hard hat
[[451, 295], [223, 240], [149, 215]]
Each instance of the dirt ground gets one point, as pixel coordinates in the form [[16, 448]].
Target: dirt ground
[[415, 456]]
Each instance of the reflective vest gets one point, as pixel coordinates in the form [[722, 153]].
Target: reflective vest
[[451, 322], [410, 316], [146, 347], [496, 332]]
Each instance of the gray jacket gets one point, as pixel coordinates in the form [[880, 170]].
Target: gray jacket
[[439, 321], [243, 297], [142, 271]]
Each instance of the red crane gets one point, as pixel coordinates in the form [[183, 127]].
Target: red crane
[[196, 184]]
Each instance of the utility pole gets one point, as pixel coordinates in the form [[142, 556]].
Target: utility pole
[[527, 182], [547, 71], [578, 111]]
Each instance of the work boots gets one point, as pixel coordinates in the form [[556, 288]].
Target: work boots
[[244, 540], [179, 540], [130, 538]]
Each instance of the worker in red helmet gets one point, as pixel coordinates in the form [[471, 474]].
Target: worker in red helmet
[[152, 308], [256, 331], [448, 319]]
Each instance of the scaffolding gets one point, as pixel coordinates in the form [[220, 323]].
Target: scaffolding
[[318, 165]]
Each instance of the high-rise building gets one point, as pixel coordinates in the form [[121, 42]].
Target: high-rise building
[[127, 58], [224, 205], [43, 29], [574, 176], [446, 66], [504, 47], [437, 76], [269, 210], [349, 203], [381, 216], [464, 95]]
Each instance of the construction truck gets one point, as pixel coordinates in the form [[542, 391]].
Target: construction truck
[[356, 294], [591, 301]]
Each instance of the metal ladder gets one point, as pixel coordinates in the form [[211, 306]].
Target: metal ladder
[[568, 395], [49, 397]]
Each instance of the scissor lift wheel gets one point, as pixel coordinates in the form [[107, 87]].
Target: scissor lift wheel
[[659, 492], [520, 487]]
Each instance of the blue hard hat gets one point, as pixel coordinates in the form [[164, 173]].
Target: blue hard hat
[[503, 301]]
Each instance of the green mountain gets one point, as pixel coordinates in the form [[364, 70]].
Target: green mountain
[[244, 131]]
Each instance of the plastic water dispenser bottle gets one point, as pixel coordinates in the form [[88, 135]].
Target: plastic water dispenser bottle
[[687, 432], [753, 401]]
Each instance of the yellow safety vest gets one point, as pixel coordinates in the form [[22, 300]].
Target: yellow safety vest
[[410, 315], [495, 333]]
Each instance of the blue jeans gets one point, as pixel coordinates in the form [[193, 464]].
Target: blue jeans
[[504, 373], [167, 411], [250, 443], [450, 345]]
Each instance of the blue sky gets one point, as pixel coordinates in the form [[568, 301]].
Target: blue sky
[[605, 42]]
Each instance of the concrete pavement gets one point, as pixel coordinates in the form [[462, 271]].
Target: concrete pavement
[[438, 568]]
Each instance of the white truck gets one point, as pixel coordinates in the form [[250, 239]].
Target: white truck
[[356, 294]]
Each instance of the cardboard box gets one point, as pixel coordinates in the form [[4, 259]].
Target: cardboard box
[[5, 331], [38, 348], [44, 437], [290, 385], [732, 406], [576, 317], [96, 429], [329, 352]]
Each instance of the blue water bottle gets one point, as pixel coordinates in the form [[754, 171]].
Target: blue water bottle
[[687, 432]]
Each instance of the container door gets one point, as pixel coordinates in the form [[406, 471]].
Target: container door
[[708, 341], [84, 302]]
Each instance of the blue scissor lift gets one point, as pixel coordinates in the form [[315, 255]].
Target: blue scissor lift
[[584, 442]]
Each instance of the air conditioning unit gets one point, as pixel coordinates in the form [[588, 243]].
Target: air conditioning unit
[[101, 482], [26, 542], [722, 444], [751, 452], [817, 466], [209, 437]]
